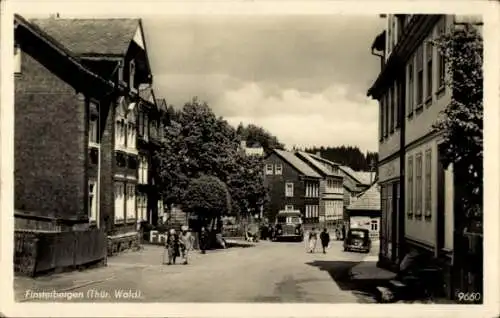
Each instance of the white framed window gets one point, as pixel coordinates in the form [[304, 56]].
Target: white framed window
[[17, 59], [131, 136], [269, 169], [132, 75], [142, 206], [418, 185], [119, 202], [429, 70], [289, 207], [94, 138], [289, 189], [92, 205], [143, 169], [131, 215], [409, 189], [120, 132], [278, 169], [441, 29], [420, 75]]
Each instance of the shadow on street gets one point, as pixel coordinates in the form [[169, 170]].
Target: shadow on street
[[340, 272]]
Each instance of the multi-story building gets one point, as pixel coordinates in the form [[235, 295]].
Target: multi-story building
[[331, 207], [293, 185], [416, 190], [59, 106], [115, 49]]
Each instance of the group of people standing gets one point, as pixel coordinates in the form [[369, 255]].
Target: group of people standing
[[179, 245]]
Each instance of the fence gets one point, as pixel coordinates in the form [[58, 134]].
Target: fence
[[37, 252]]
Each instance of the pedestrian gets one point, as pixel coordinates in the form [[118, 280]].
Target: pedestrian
[[203, 238], [186, 243], [313, 237], [343, 231], [172, 247], [325, 239]]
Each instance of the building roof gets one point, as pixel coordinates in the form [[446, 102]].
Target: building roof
[[368, 201], [91, 36], [254, 151], [61, 50], [315, 163], [297, 163], [362, 177]]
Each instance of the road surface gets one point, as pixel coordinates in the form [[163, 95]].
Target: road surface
[[270, 272]]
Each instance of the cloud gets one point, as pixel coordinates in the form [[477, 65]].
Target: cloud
[[321, 119]]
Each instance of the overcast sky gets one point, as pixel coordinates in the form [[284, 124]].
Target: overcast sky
[[303, 78]]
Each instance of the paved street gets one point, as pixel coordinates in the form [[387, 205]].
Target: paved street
[[267, 272]]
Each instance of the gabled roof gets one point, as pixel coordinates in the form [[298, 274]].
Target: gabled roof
[[297, 163], [315, 163], [74, 65], [368, 201], [362, 177], [91, 36]]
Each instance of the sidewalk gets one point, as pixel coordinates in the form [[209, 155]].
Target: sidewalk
[[368, 270]]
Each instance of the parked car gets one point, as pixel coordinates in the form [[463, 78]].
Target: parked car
[[358, 240]]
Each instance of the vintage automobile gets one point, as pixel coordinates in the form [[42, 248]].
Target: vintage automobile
[[289, 226], [358, 239]]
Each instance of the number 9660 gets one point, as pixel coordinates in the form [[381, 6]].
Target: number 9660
[[469, 297]]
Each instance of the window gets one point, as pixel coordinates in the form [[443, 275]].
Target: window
[[428, 183], [142, 206], [17, 59], [409, 190], [411, 99], [143, 125], [374, 225], [93, 123], [428, 53], [269, 169], [289, 189], [420, 76], [278, 169], [131, 75], [131, 202], [288, 207], [418, 184], [143, 169], [92, 207], [386, 115], [120, 132], [119, 202], [441, 29], [131, 136]]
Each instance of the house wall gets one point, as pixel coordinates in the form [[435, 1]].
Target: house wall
[[50, 145], [418, 139], [276, 184]]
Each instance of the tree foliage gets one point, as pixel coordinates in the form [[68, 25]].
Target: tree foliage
[[258, 136], [461, 122], [198, 144], [208, 197], [246, 185], [350, 156]]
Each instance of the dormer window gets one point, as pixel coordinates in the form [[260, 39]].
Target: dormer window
[[131, 74], [17, 59]]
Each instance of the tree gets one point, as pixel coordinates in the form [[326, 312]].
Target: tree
[[255, 135], [246, 185], [207, 197], [461, 122]]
